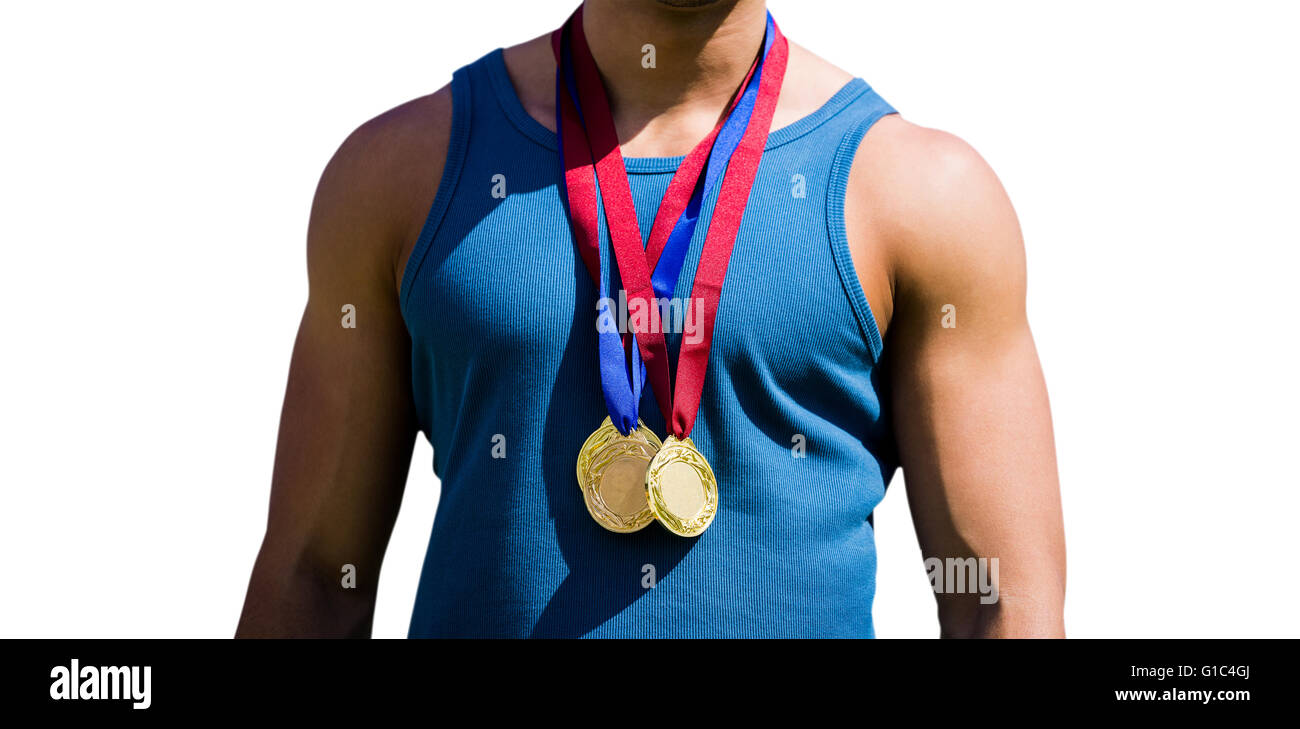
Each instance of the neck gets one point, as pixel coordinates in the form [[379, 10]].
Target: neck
[[701, 54]]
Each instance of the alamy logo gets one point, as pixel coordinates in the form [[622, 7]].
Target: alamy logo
[[964, 575], [130, 683], [666, 316]]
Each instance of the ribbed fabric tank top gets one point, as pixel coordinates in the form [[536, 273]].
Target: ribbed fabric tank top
[[501, 314]]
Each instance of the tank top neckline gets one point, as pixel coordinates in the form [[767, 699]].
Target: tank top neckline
[[536, 131]]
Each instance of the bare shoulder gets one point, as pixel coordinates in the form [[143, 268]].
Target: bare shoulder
[[810, 81], [926, 215], [923, 179], [376, 189]]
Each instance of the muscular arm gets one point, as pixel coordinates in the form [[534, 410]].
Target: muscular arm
[[969, 402], [348, 426]]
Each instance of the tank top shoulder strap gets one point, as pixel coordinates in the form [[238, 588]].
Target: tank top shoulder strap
[[860, 114], [462, 102], [845, 135], [854, 103]]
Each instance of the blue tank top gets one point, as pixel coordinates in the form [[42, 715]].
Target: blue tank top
[[501, 314]]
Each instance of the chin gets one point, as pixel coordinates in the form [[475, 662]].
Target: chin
[[687, 3]]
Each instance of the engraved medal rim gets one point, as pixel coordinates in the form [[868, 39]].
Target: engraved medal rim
[[668, 453], [602, 439]]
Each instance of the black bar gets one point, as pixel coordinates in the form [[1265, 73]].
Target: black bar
[[563, 680]]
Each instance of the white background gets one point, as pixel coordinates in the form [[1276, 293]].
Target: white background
[[157, 161]]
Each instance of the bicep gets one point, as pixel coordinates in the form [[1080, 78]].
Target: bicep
[[346, 434], [975, 439]]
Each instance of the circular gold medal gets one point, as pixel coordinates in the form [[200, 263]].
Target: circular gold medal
[[611, 474], [681, 489]]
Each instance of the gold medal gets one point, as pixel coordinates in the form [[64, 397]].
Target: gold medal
[[611, 474], [681, 489]]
